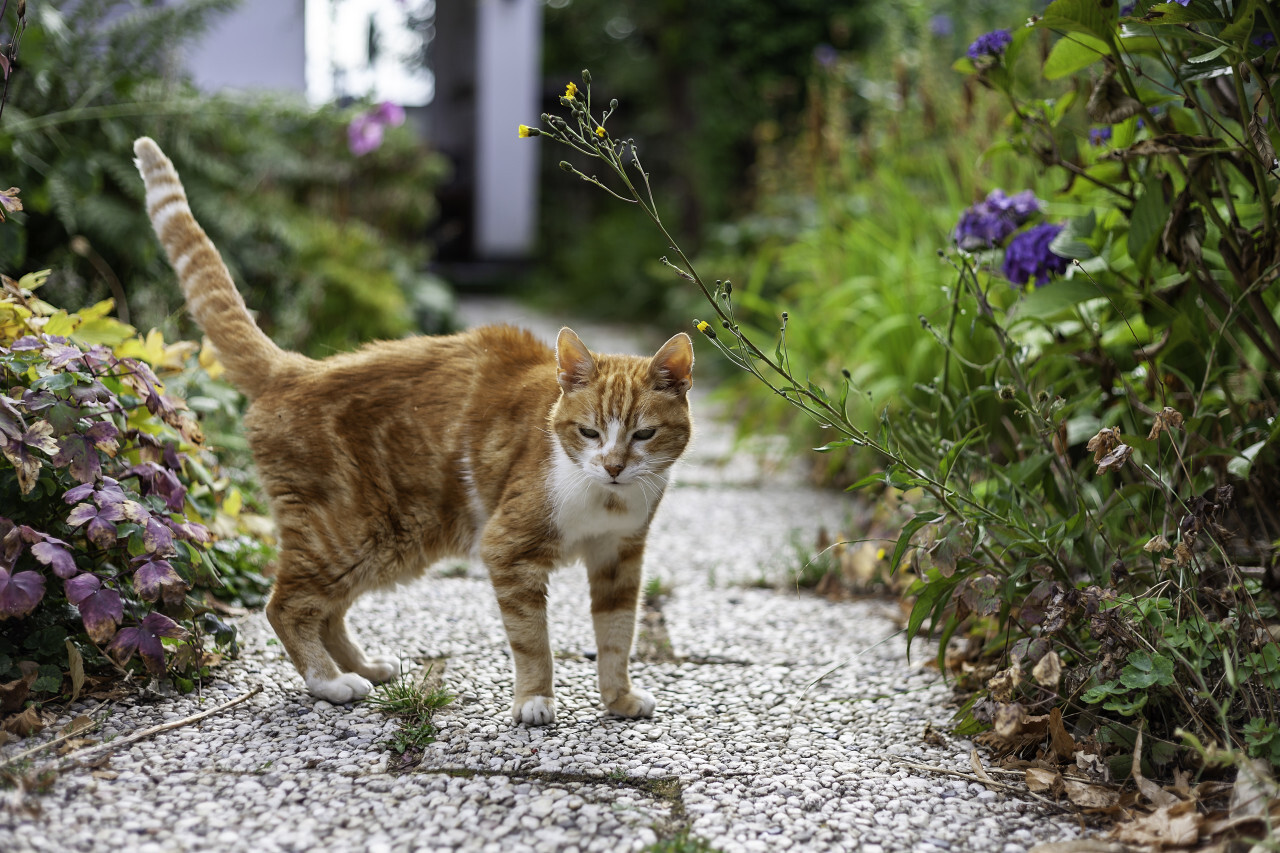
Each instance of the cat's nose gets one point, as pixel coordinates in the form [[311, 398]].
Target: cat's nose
[[614, 470]]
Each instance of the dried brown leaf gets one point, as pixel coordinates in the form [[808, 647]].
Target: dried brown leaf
[[1182, 555], [81, 723], [1156, 795], [1157, 543], [75, 743], [1007, 720], [1103, 443], [1166, 420], [1087, 795], [1177, 825], [1003, 683], [1115, 460], [76, 665], [975, 763], [1254, 789], [24, 723], [1262, 142], [1040, 780], [14, 693], [1063, 744], [1109, 103], [1048, 671]]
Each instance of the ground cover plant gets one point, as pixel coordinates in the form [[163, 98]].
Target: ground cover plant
[[1089, 466]]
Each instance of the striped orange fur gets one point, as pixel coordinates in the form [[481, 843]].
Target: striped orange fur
[[379, 462]]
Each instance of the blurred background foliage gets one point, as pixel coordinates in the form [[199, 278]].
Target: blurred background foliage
[[327, 247], [815, 153]]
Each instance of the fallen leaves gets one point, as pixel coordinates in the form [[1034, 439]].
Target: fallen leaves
[[1210, 816]]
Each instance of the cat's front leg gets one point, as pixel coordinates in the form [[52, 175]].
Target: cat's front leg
[[615, 597], [521, 589]]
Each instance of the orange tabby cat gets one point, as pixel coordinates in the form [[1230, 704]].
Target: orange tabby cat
[[381, 461]]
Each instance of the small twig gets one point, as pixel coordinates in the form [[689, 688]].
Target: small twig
[[155, 730], [14, 759], [1020, 790]]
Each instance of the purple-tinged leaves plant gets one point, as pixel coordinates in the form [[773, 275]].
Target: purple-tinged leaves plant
[[93, 481]]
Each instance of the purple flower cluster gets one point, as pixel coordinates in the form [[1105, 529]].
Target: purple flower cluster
[[987, 223], [1099, 135], [1028, 256], [364, 133], [990, 44]]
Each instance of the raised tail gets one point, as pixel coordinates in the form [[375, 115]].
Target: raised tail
[[250, 357]]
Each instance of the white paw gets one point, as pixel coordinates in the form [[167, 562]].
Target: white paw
[[536, 711], [637, 703], [340, 690], [379, 670]]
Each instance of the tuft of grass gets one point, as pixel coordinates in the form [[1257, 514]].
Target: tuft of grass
[[655, 589], [414, 702]]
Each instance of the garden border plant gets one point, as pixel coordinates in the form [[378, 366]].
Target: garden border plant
[[107, 491], [1089, 499]]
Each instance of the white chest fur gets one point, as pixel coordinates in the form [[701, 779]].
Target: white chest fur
[[586, 509]]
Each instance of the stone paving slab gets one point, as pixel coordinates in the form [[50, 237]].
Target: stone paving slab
[[781, 721]]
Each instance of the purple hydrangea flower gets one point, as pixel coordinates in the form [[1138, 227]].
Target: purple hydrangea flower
[[1183, 2], [940, 25], [1127, 9], [1264, 40], [990, 44], [1099, 135], [987, 223], [1028, 256], [825, 55]]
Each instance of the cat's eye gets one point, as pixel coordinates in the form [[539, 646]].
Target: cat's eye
[[588, 432], [643, 434]]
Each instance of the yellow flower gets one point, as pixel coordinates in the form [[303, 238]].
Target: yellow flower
[[705, 327], [525, 131], [571, 91], [600, 132]]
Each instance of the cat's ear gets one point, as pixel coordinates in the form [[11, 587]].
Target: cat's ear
[[575, 362], [672, 368]]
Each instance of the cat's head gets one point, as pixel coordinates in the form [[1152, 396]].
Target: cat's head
[[623, 418]]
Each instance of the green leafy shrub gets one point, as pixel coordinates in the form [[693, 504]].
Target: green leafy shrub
[[327, 245], [1088, 468], [108, 494]]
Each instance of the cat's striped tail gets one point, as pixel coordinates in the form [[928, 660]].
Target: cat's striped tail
[[250, 357]]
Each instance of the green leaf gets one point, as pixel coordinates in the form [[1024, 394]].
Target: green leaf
[[1128, 707], [1099, 692], [49, 679], [949, 460], [1147, 221], [1213, 54], [1072, 53], [936, 590], [917, 521], [1242, 464], [1057, 296], [1175, 13], [1162, 668], [1081, 16]]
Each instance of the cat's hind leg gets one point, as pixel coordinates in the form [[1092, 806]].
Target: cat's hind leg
[[348, 654], [298, 614]]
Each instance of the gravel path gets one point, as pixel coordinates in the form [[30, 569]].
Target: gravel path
[[782, 723]]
